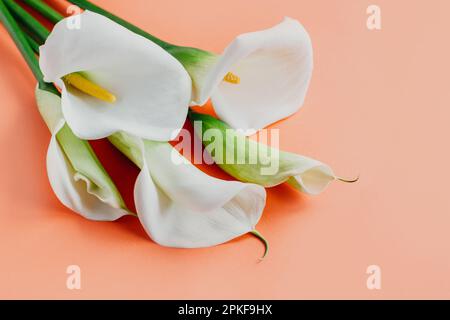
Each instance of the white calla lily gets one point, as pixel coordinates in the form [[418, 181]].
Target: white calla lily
[[75, 174], [151, 90], [260, 163], [179, 205], [260, 78]]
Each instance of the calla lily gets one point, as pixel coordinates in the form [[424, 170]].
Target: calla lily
[[179, 205], [76, 175], [260, 163], [260, 78], [139, 88]]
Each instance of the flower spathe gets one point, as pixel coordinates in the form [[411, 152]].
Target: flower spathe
[[75, 174], [179, 205], [271, 166], [152, 89], [270, 74]]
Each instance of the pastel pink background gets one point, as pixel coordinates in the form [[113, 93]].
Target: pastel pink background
[[378, 105]]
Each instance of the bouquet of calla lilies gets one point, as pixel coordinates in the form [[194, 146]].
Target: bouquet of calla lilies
[[99, 76]]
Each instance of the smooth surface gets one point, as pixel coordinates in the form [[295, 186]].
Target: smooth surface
[[378, 105]]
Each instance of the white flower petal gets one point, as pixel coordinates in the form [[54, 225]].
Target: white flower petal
[[275, 68], [307, 175], [180, 206], [77, 192], [152, 88], [98, 200]]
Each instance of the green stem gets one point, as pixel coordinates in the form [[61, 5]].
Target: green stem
[[35, 32], [29, 34], [257, 234], [87, 5], [45, 10], [24, 47], [20, 40], [28, 20], [33, 44]]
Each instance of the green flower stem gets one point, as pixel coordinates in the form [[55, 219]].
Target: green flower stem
[[30, 38], [20, 40], [35, 32], [257, 234], [29, 34], [45, 10], [28, 20], [24, 46], [33, 44], [28, 24]]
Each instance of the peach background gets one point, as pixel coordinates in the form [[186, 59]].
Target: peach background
[[378, 105]]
